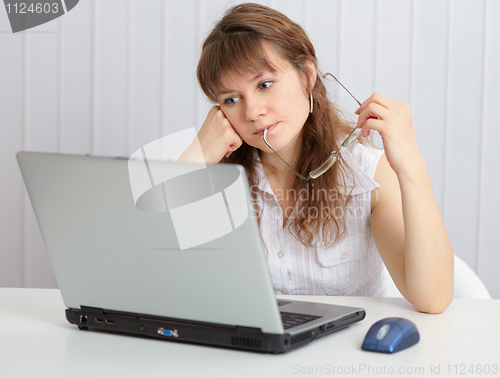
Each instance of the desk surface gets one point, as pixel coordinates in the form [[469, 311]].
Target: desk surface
[[37, 341]]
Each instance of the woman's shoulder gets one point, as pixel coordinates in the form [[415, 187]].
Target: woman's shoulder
[[362, 160], [365, 156]]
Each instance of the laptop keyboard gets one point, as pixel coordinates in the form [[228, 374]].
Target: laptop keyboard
[[292, 320]]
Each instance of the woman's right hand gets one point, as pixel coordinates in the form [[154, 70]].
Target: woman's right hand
[[217, 138]]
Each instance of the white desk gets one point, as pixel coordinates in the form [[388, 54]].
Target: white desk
[[37, 341]]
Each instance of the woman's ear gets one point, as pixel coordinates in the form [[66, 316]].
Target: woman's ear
[[311, 71]]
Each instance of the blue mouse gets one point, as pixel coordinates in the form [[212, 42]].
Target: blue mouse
[[391, 335]]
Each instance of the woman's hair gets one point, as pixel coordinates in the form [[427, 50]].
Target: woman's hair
[[237, 46]]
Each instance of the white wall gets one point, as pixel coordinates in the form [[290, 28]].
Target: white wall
[[113, 75]]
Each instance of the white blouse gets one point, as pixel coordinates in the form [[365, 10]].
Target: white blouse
[[352, 267]]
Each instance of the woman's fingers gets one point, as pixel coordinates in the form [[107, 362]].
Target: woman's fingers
[[392, 120], [372, 124], [372, 110], [375, 98], [217, 136]]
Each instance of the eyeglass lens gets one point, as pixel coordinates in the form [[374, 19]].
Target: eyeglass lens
[[353, 137], [324, 167]]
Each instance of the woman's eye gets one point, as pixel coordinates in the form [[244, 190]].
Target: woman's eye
[[231, 100], [265, 84]]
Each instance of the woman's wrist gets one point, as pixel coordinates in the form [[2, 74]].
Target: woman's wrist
[[414, 169]]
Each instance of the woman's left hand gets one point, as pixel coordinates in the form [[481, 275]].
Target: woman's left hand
[[392, 119]]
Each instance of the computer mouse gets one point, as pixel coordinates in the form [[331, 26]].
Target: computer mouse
[[391, 335]]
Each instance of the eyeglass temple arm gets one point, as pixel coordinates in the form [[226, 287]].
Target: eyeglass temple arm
[[294, 171], [342, 85]]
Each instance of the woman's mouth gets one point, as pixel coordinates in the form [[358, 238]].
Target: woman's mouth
[[269, 129]]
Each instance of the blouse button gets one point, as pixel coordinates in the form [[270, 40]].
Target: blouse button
[[280, 254], [343, 256]]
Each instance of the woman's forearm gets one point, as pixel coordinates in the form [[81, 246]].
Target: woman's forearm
[[428, 250]]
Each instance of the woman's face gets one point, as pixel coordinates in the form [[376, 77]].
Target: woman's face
[[277, 101]]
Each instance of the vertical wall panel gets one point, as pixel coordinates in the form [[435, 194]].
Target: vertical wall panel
[[489, 251], [11, 141], [357, 52], [357, 47], [392, 76], [182, 41], [323, 28], [208, 13], [429, 86], [392, 51], [111, 80], [42, 89], [144, 105], [41, 113], [464, 126], [327, 24], [75, 79]]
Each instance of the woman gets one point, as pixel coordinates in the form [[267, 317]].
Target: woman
[[328, 225]]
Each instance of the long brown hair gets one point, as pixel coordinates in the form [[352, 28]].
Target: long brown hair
[[236, 46]]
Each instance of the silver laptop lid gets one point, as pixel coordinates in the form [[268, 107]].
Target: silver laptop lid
[[168, 239]]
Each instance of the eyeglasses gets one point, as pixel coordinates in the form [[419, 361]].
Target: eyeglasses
[[349, 141]]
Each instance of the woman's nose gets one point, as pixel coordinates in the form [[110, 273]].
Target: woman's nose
[[255, 107]]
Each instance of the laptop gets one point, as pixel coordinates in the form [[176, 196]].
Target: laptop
[[168, 250]]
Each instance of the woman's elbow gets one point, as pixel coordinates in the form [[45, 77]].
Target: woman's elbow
[[435, 305]]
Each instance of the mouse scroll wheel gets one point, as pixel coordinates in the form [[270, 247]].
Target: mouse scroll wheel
[[383, 331]]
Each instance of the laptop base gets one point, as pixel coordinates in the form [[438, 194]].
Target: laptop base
[[170, 329]]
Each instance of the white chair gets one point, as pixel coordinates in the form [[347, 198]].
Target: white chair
[[467, 284]]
